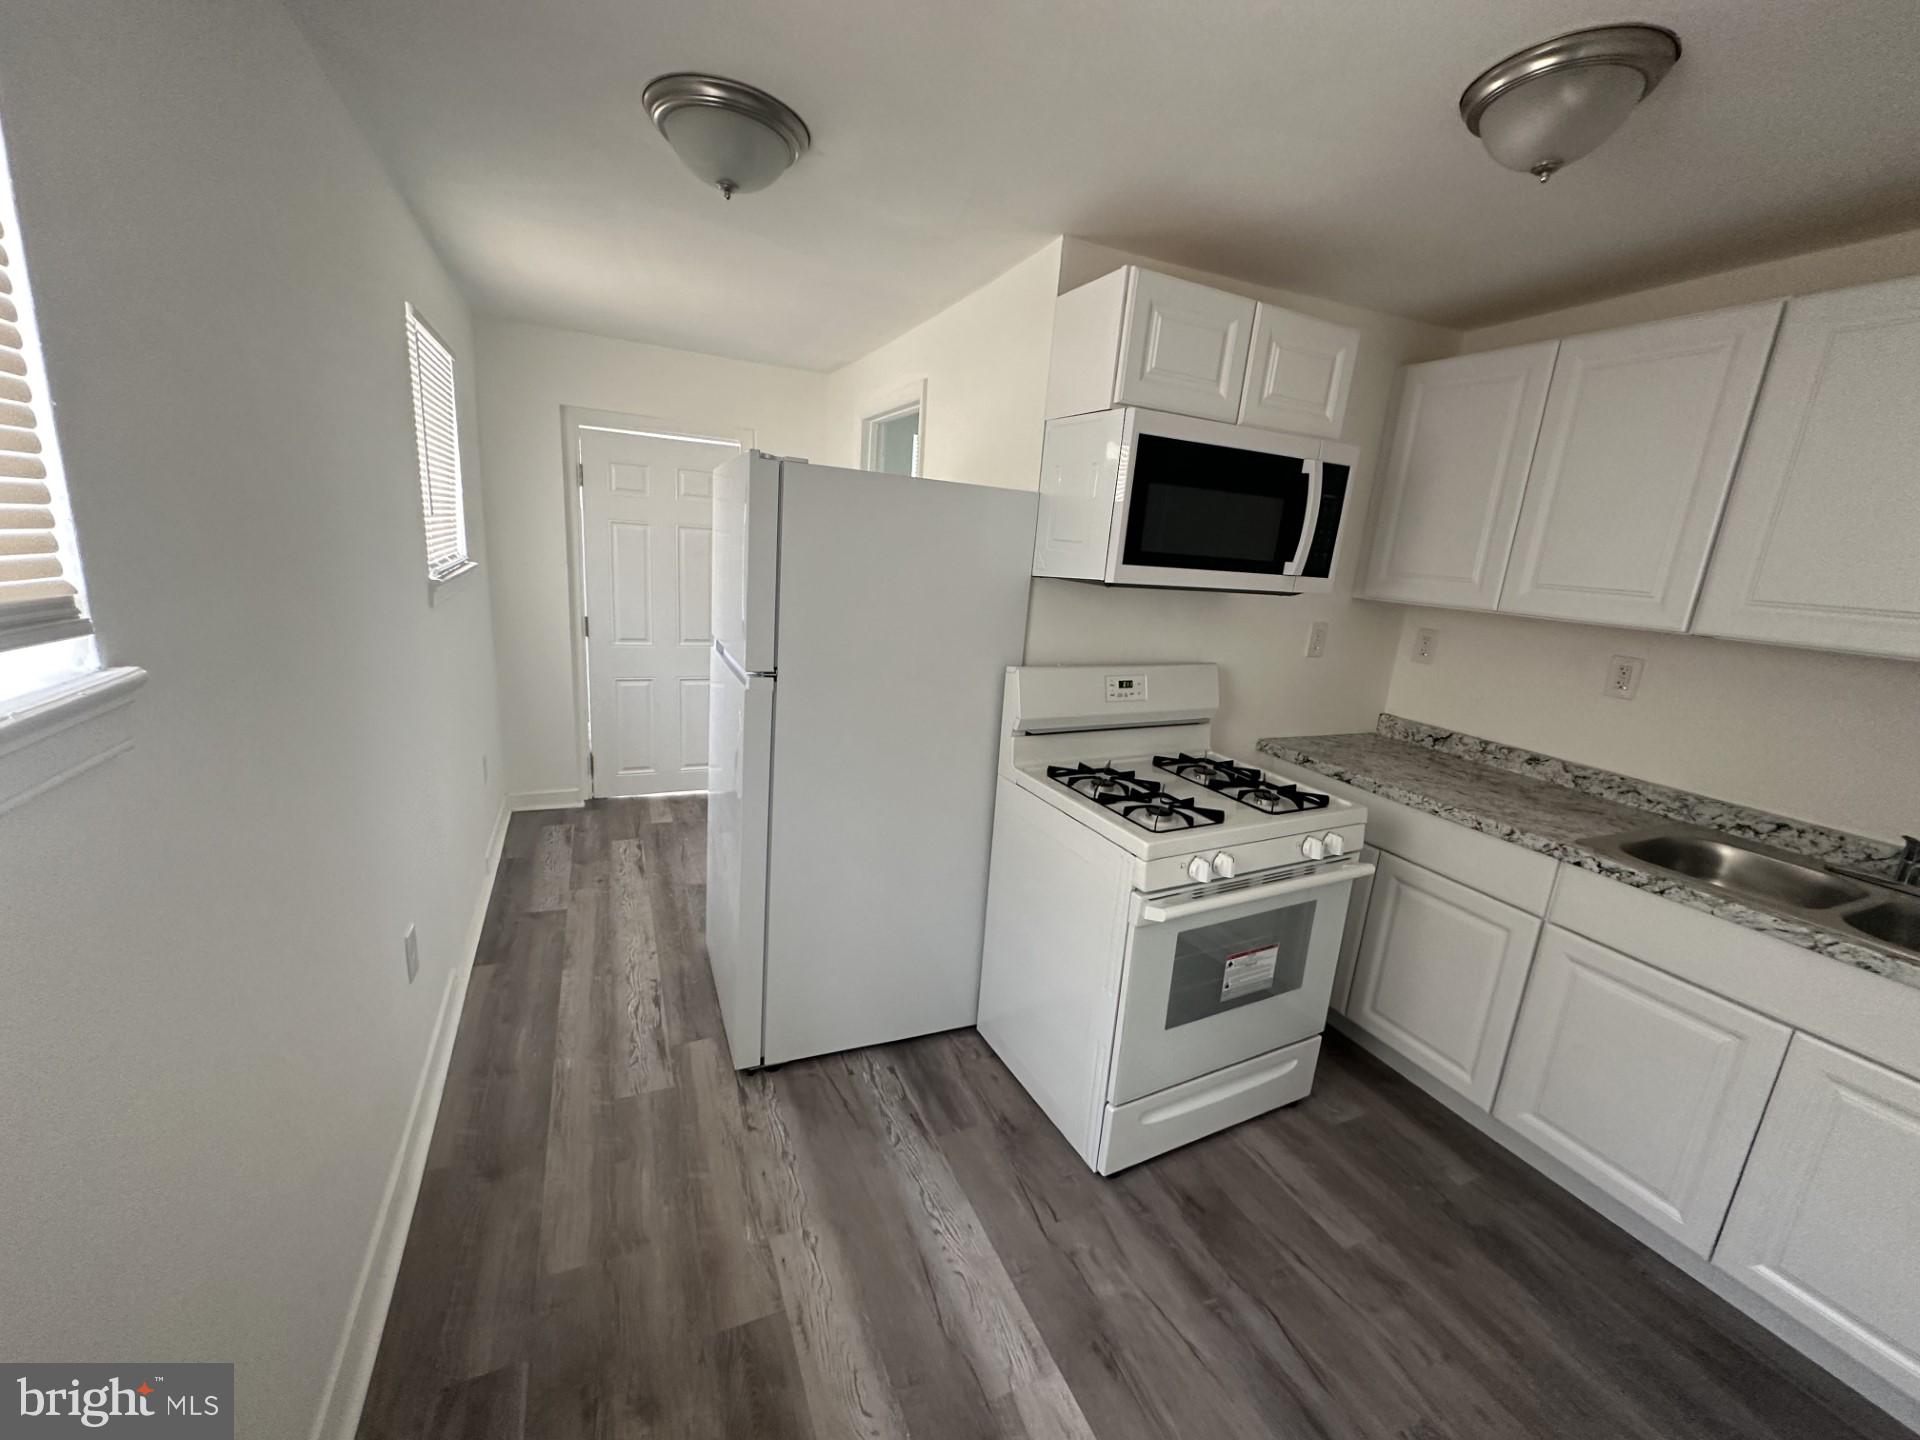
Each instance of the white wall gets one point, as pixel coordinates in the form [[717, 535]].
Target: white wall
[[984, 361], [1829, 738], [1268, 686], [527, 374], [208, 1046]]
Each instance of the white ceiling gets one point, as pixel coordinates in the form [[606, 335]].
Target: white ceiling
[[1309, 144]]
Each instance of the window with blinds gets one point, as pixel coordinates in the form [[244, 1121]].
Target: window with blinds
[[39, 571], [436, 438]]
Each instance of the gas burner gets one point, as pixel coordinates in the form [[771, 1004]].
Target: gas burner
[[1103, 783], [1207, 770], [1274, 797], [1169, 812]]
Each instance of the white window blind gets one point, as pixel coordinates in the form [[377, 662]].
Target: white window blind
[[39, 599], [436, 437]]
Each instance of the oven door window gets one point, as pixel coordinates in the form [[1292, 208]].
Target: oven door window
[[1194, 506], [1238, 962]]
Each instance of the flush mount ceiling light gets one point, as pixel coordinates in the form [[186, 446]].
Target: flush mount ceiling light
[[731, 135], [1548, 105]]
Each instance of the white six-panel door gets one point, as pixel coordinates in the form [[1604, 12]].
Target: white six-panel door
[[1647, 1086], [1636, 450], [1461, 446], [1821, 542], [646, 508], [1440, 973], [1826, 1223]]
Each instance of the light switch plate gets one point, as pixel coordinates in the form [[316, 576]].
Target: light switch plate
[[1317, 640], [1424, 643]]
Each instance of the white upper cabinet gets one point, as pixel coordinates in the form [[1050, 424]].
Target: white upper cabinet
[[1454, 476], [1825, 1221], [1821, 542], [1298, 373], [1635, 455], [1137, 337], [1647, 1086]]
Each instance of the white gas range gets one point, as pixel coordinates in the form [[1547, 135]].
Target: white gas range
[[1163, 922]]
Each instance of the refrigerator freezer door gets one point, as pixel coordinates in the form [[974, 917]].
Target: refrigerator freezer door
[[740, 745], [902, 602], [746, 553]]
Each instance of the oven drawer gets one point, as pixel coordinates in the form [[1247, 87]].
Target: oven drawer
[[1182, 1114]]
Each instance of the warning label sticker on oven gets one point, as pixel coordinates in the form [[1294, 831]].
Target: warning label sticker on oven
[[1249, 970]]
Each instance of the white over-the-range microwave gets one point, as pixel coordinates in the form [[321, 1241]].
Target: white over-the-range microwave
[[1138, 497]]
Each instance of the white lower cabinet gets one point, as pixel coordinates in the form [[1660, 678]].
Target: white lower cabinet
[[1826, 1223], [1439, 974], [1646, 1086]]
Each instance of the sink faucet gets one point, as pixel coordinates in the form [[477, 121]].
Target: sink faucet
[[1901, 871], [1906, 865]]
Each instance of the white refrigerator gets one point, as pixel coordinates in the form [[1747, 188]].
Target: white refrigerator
[[863, 624]]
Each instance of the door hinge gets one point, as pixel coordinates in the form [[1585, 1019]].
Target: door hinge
[[589, 769], [586, 625], [579, 472]]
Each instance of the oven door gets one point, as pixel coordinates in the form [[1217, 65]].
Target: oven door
[[1209, 506], [1219, 976]]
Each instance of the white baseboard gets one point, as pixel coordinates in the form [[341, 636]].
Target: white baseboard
[[346, 1389], [572, 798], [1817, 1348]]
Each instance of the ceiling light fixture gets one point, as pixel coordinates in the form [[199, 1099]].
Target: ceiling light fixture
[[1548, 105], [729, 134]]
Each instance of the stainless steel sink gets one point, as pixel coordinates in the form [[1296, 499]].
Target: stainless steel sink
[[1893, 922], [1740, 869], [1772, 879]]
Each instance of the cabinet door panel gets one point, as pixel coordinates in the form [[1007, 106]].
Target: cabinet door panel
[[1184, 347], [1823, 525], [1649, 1087], [1439, 975], [1298, 372], [1826, 1223], [1636, 452], [1462, 443]]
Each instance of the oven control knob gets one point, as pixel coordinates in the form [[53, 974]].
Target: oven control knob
[[1335, 845], [1199, 870], [1314, 848], [1223, 865]]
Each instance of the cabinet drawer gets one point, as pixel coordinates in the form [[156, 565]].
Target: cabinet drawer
[[1826, 1223], [1183, 1113], [1440, 973], [1647, 1086]]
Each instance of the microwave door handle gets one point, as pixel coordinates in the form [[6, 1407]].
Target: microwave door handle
[[1310, 522], [1154, 913]]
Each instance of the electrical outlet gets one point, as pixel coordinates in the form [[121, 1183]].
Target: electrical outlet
[[1623, 676], [1424, 643], [1317, 640], [413, 954]]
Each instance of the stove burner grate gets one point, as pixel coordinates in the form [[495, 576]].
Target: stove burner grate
[[1274, 797], [1169, 812]]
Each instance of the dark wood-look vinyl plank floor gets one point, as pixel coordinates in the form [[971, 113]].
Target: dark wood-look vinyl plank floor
[[618, 1236]]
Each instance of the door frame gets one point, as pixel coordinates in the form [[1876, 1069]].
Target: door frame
[[572, 419]]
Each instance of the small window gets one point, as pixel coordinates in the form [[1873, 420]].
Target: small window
[[890, 431], [436, 439], [45, 635]]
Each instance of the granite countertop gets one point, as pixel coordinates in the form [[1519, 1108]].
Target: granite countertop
[[1552, 806]]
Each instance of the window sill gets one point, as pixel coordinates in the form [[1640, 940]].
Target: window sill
[[441, 586], [62, 733]]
